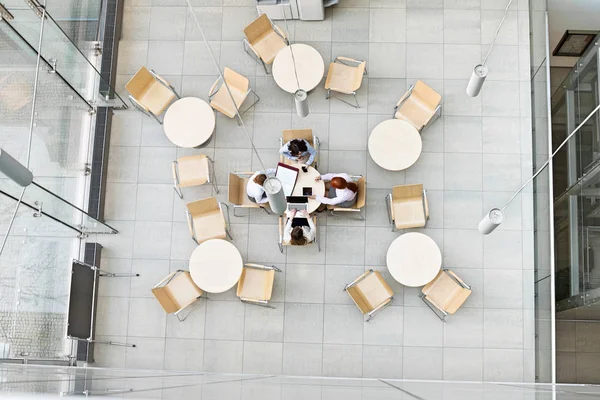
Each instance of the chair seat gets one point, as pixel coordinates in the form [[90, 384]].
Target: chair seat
[[415, 112], [157, 98], [183, 291], [209, 226], [344, 77], [446, 293], [222, 102], [268, 46], [193, 170], [256, 284], [409, 214], [371, 292]]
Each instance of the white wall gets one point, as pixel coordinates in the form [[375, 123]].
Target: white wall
[[574, 15]]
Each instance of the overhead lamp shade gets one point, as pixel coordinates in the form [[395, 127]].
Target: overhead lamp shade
[[491, 221], [301, 99], [274, 190], [13, 169], [477, 78]]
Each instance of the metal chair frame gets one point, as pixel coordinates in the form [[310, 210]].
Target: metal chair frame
[[211, 172], [441, 314], [328, 94]]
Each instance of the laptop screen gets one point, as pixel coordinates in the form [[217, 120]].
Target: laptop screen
[[297, 199]]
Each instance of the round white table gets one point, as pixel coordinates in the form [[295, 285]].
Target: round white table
[[395, 145], [309, 66], [216, 265], [189, 122], [307, 179], [414, 259]]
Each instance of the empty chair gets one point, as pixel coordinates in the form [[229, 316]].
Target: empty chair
[[407, 207], [283, 242], [264, 40], [150, 93], [237, 193], [256, 284], [445, 294], [239, 86], [305, 134], [345, 76], [206, 220], [193, 171], [361, 199], [370, 293], [419, 105], [177, 292]]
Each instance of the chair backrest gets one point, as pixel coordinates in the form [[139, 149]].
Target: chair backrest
[[236, 188], [203, 206], [163, 296], [291, 134], [407, 192], [139, 84], [361, 195], [183, 290], [427, 94], [235, 80], [257, 28]]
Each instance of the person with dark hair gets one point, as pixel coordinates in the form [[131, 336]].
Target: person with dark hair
[[299, 231], [254, 187], [342, 190], [299, 150]]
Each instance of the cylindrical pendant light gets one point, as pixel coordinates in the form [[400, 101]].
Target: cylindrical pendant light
[[13, 169], [274, 190], [301, 100], [491, 221], [477, 78]]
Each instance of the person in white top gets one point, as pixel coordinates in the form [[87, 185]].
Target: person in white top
[[299, 231], [342, 190], [254, 187]]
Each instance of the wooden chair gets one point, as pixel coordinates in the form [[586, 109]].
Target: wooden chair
[[370, 293], [445, 294], [177, 292], [407, 207], [150, 93], [193, 170], [306, 134], [264, 40], [282, 243], [419, 105], [237, 193], [256, 284], [221, 101], [206, 220], [361, 199], [345, 76]]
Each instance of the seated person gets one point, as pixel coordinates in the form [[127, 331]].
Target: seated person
[[254, 187], [299, 231], [342, 191], [298, 150]]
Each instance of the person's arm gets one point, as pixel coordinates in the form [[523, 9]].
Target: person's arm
[[287, 231], [262, 199], [344, 196], [311, 231], [327, 177], [311, 150], [285, 151]]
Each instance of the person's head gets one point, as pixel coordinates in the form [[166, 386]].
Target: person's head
[[297, 147], [340, 183], [260, 179], [298, 238]]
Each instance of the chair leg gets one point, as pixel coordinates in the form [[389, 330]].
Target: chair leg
[[280, 247], [441, 314], [350, 104], [360, 217], [213, 173], [327, 94], [228, 234], [178, 191]]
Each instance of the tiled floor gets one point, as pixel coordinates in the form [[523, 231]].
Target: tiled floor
[[474, 157]]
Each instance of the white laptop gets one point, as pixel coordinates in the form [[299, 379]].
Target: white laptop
[[297, 202], [287, 175]]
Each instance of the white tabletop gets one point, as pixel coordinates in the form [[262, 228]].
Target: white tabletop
[[414, 259], [309, 66], [395, 145], [216, 265], [189, 122], [307, 179]]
